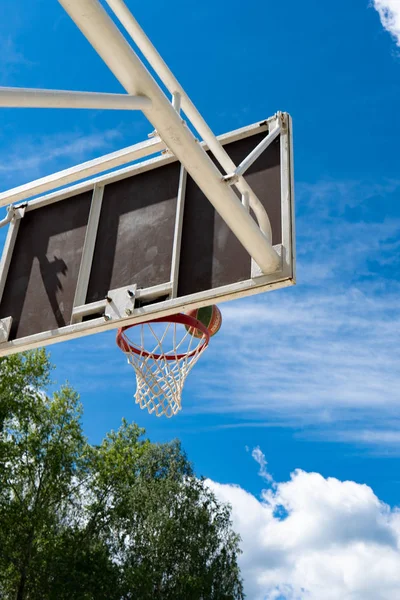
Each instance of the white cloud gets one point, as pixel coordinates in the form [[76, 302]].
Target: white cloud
[[11, 58], [260, 459], [389, 12], [313, 537], [306, 358], [379, 441], [32, 155]]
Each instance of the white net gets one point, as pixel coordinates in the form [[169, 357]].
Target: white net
[[162, 355]]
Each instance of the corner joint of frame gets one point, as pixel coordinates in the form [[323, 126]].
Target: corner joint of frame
[[283, 121], [5, 328], [231, 178], [255, 269], [18, 212]]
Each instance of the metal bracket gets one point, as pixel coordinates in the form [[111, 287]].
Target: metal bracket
[[257, 272], [283, 121], [120, 303], [19, 211], [116, 304], [13, 212], [176, 103], [232, 178], [5, 328]]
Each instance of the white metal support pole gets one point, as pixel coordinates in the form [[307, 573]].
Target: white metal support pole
[[258, 150], [9, 217], [85, 310], [30, 98], [9, 246], [110, 44], [176, 250], [88, 248], [133, 28]]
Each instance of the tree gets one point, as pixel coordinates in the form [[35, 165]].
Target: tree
[[126, 519], [43, 457]]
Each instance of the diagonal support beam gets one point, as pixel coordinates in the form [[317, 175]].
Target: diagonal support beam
[[232, 178], [140, 38], [31, 98], [115, 51]]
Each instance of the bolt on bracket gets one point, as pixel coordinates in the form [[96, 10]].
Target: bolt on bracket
[[120, 303]]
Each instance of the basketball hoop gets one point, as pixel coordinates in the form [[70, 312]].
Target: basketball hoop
[[162, 352]]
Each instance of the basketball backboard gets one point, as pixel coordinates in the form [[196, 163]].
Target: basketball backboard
[[199, 222], [138, 243]]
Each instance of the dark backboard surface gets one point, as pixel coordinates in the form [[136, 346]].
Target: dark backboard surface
[[211, 255], [136, 230], [134, 242], [41, 281]]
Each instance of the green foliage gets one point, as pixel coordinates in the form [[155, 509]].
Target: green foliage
[[126, 519]]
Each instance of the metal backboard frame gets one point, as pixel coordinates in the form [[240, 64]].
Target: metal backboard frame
[[129, 304], [202, 171]]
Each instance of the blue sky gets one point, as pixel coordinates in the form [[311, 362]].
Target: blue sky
[[316, 386]]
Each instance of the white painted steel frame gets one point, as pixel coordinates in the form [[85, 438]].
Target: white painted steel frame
[[58, 99], [7, 253], [11, 214], [31, 98], [79, 172], [256, 153], [88, 248], [176, 249], [169, 307], [111, 161], [107, 40], [5, 328], [287, 196], [147, 294], [259, 283], [137, 34]]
